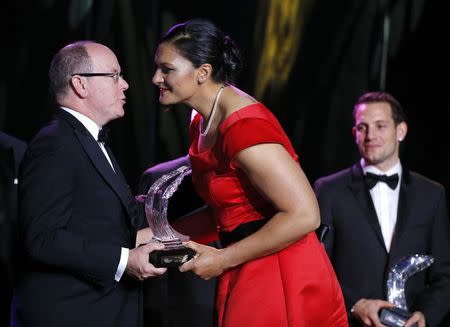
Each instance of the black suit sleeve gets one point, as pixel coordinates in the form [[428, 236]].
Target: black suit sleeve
[[434, 301], [46, 194], [325, 198], [325, 218]]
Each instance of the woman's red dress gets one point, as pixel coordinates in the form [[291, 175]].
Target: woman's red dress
[[293, 287]]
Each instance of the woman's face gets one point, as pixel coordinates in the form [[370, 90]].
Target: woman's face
[[175, 76]]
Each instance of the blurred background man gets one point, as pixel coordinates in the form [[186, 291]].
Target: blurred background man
[[379, 212]]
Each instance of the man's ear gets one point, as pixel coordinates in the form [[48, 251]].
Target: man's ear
[[204, 73], [402, 130], [79, 86], [354, 132]]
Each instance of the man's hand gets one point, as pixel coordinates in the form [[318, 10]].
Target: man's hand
[[367, 311], [144, 236], [138, 265], [416, 317]]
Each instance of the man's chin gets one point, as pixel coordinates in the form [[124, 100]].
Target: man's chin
[[119, 114], [373, 161]]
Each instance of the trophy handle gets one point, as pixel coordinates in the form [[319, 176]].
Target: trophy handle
[[400, 273], [156, 204], [396, 282]]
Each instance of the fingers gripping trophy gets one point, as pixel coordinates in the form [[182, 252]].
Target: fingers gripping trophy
[[156, 202]]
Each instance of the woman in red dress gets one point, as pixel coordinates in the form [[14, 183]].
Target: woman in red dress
[[272, 271]]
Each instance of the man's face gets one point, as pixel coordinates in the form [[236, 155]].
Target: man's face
[[377, 136], [106, 94]]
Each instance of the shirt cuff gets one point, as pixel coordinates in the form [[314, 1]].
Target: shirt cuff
[[122, 264]]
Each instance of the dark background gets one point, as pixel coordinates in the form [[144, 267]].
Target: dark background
[[327, 53]]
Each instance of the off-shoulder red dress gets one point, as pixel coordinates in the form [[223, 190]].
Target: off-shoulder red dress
[[293, 287]]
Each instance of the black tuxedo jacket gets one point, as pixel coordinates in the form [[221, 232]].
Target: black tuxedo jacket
[[356, 247], [11, 153], [75, 214]]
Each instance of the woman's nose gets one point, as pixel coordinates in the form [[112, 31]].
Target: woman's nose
[[157, 77]]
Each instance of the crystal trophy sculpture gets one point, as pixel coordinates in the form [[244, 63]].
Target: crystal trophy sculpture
[[396, 282], [156, 202]]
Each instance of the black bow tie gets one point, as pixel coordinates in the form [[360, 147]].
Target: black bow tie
[[373, 179], [103, 135]]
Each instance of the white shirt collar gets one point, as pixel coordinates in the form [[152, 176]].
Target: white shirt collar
[[87, 122], [396, 169]]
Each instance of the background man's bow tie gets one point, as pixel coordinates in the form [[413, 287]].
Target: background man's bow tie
[[373, 179]]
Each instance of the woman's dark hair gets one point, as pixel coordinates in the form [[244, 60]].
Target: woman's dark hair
[[201, 42], [398, 114]]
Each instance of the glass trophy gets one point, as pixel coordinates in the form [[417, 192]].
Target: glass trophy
[[396, 282], [156, 202]]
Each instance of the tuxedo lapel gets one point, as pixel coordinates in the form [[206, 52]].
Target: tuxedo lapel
[[364, 200], [115, 164], [403, 210], [98, 159], [104, 168], [131, 204]]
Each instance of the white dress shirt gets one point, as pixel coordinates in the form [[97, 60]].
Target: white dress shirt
[[93, 129], [385, 200]]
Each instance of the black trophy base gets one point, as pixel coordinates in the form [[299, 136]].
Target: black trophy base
[[394, 317], [171, 257]]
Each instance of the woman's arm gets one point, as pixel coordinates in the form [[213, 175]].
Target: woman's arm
[[279, 178]]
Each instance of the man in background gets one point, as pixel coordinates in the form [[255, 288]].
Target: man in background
[[379, 212], [11, 153]]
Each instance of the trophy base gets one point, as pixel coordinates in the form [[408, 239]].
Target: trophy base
[[394, 317], [171, 257]]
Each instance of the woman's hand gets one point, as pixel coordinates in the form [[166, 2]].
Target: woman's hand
[[209, 262]]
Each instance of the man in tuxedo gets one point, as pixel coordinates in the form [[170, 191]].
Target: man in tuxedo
[[191, 298], [11, 153], [77, 215], [375, 221]]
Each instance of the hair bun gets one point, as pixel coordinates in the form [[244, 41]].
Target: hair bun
[[200, 41], [226, 41], [232, 63]]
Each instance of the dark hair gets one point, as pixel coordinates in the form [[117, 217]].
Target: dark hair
[[398, 114], [200, 41], [71, 59]]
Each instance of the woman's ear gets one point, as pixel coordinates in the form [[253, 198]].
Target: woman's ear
[[204, 73]]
